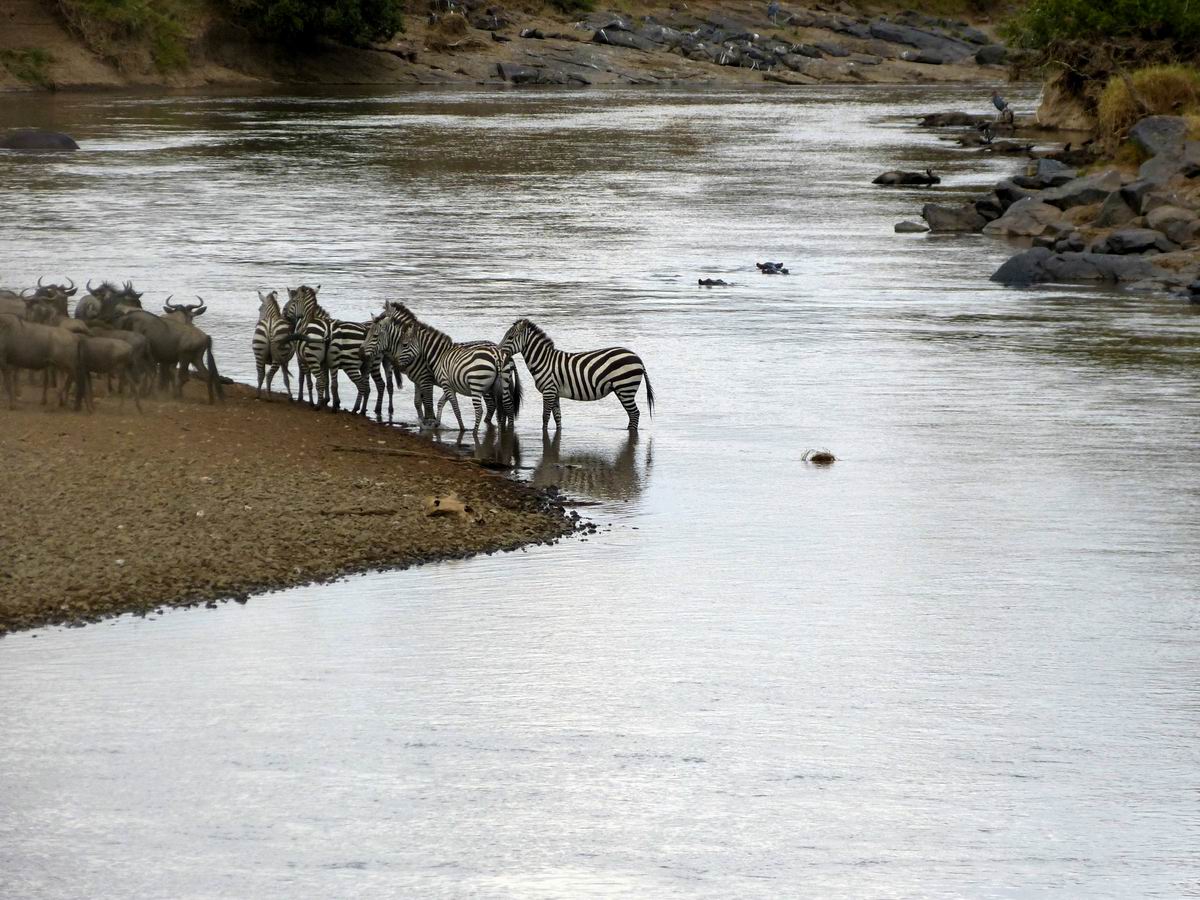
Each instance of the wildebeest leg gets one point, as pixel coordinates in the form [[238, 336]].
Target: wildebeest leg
[[183, 377], [45, 384], [137, 401]]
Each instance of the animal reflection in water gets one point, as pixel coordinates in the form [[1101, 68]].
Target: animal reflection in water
[[586, 473]]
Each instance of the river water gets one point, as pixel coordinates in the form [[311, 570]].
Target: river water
[[963, 661]]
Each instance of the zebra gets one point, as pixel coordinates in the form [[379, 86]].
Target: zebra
[[475, 369], [310, 326], [328, 346], [588, 375], [384, 339], [270, 344]]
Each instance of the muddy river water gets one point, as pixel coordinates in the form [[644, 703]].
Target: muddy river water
[[963, 661]]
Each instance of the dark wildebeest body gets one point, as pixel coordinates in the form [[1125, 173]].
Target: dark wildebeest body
[[27, 345], [109, 356]]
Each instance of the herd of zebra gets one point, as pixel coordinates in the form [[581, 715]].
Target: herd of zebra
[[395, 343]]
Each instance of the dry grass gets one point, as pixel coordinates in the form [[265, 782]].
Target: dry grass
[[1171, 90], [450, 32]]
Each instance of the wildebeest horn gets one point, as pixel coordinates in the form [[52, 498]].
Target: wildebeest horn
[[40, 277], [168, 305], [91, 290], [196, 310], [73, 289]]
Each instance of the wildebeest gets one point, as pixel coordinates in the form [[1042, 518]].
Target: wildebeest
[[898, 177], [28, 345], [109, 356], [106, 300], [175, 341], [45, 311], [143, 360]]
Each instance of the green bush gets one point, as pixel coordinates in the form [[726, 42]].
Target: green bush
[[31, 64], [105, 24], [1044, 22], [305, 21]]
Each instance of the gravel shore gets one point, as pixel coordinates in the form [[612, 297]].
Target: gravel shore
[[116, 512]]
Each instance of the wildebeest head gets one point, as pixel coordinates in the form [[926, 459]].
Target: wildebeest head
[[185, 311], [55, 294]]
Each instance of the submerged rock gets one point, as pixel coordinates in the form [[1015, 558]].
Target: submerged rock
[[952, 218], [907, 227]]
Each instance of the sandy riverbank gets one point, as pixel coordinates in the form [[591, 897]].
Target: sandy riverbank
[[119, 512]]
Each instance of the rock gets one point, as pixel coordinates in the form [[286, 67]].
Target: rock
[[1085, 190], [37, 139], [806, 50], [952, 218], [1024, 268], [1161, 168], [899, 177], [1182, 233], [925, 57], [911, 228], [1072, 243], [1160, 217], [1134, 194], [621, 38], [831, 49], [517, 74], [1115, 211], [1136, 240], [945, 47], [1155, 135], [992, 55], [613, 23], [660, 34], [1042, 182], [1025, 218], [1045, 167], [1008, 193], [989, 208], [533, 33], [866, 59]]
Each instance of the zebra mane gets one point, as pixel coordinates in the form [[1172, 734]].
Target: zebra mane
[[536, 331], [396, 308]]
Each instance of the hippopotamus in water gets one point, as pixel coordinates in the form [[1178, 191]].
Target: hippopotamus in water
[[898, 177], [772, 268], [37, 139], [712, 282]]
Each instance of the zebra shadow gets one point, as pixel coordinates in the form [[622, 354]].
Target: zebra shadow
[[593, 474]]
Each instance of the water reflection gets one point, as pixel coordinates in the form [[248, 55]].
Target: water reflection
[[595, 473]]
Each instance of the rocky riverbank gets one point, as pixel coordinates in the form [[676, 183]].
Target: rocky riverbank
[[1084, 220], [189, 503], [739, 42]]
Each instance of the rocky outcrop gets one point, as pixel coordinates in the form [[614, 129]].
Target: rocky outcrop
[[1040, 265], [952, 218], [1134, 240], [1083, 191], [1025, 218]]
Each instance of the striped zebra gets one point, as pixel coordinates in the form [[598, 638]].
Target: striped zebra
[[330, 345], [474, 369], [588, 375], [270, 343], [383, 339]]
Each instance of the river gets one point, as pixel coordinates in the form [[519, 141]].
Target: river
[[960, 662]]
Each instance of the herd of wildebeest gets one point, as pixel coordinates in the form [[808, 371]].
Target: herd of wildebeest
[[109, 334]]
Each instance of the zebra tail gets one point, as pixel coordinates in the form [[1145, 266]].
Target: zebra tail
[[498, 393], [649, 392], [516, 392]]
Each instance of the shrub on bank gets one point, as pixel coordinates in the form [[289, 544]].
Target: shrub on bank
[[306, 21], [1044, 22], [106, 26], [1172, 90]]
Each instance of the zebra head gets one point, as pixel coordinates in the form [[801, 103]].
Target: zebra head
[[408, 346], [379, 330], [301, 301], [268, 304], [514, 339]]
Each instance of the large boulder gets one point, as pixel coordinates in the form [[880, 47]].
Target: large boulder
[[1039, 265], [952, 218], [944, 46], [1114, 211], [1025, 218], [992, 55], [1024, 268], [1162, 217], [1083, 191], [1136, 192], [1154, 135], [37, 139], [1135, 240], [1044, 167], [622, 38], [1009, 193], [952, 120]]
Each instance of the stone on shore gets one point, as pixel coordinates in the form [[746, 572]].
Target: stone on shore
[[1114, 211], [952, 120], [1155, 135], [1025, 218], [1135, 240], [1084, 191], [952, 218], [1039, 265], [992, 55]]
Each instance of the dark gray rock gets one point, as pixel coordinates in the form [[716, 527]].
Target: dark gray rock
[[806, 50], [992, 55], [1135, 193], [1114, 212], [989, 208], [1024, 268], [974, 36], [515, 74], [1182, 233], [1072, 243], [612, 23], [945, 47], [1084, 191], [1042, 182], [1009, 193], [831, 49], [926, 57], [952, 218], [911, 228], [37, 139], [866, 59], [535, 34], [1025, 218], [1161, 217], [1045, 166], [660, 34], [1136, 240], [621, 38], [1155, 135]]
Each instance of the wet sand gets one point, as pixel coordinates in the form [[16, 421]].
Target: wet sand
[[116, 512]]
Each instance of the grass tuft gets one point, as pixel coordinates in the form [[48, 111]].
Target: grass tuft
[[30, 64], [1168, 90]]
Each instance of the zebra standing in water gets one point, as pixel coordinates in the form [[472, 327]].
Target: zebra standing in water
[[588, 375], [270, 344], [475, 369]]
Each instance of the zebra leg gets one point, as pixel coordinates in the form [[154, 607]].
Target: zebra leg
[[454, 406], [287, 381], [322, 388], [478, 411], [271, 376], [333, 389], [491, 408], [628, 396], [550, 405]]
